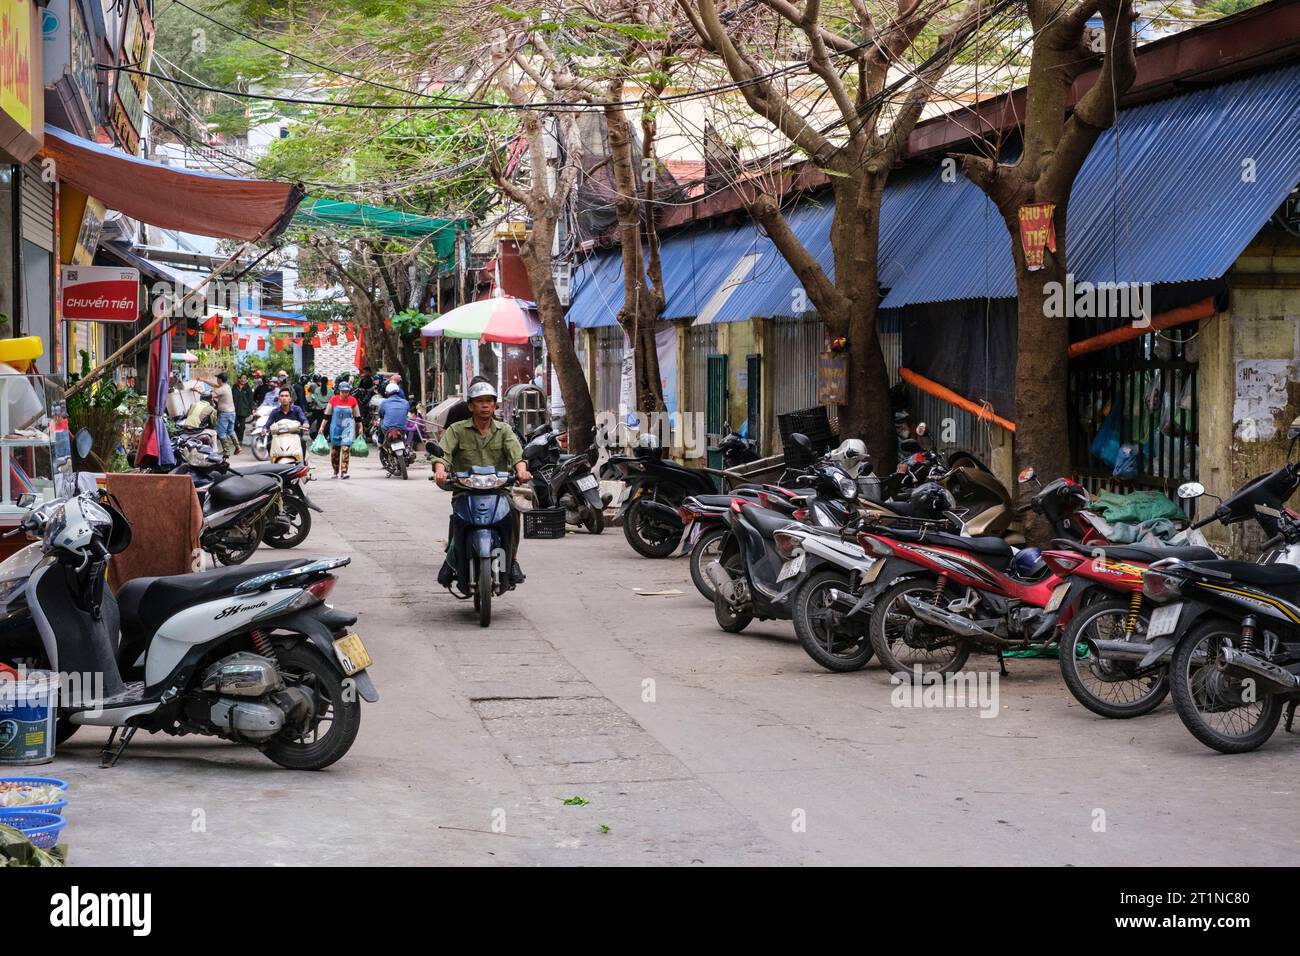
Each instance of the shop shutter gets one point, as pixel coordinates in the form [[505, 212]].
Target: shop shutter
[[38, 208]]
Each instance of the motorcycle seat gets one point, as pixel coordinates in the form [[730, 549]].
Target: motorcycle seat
[[279, 469], [233, 491], [145, 603], [765, 521], [1146, 554], [987, 546], [1248, 572]]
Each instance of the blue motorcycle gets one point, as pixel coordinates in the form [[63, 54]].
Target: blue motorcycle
[[481, 536]]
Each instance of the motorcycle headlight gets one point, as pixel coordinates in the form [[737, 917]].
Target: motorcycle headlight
[[54, 526], [847, 487]]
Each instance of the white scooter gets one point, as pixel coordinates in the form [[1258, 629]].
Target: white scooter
[[286, 441], [260, 437], [251, 655]]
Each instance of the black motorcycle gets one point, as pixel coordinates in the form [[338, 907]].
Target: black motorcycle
[[563, 480], [290, 523], [1234, 625]]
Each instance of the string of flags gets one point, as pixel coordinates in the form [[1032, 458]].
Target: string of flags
[[212, 335]]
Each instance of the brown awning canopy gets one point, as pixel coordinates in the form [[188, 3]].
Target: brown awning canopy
[[205, 204]]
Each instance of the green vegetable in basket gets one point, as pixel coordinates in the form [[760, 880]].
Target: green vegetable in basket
[[17, 850]]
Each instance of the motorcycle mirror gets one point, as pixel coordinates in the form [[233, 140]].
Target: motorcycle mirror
[[1191, 489], [1025, 476], [84, 442], [921, 429], [801, 440], [26, 500], [434, 449]]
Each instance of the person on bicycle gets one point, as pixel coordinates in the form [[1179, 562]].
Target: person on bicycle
[[481, 439]]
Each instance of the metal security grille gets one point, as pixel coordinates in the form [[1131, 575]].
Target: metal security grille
[[609, 368], [38, 208], [1142, 393], [951, 428], [702, 341], [796, 344]]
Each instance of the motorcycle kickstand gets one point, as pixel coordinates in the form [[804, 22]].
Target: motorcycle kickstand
[[1002, 664], [108, 756], [1290, 714]]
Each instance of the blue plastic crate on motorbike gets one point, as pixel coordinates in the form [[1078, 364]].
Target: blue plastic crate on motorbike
[[544, 523]]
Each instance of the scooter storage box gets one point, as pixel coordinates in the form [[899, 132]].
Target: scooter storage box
[[544, 523]]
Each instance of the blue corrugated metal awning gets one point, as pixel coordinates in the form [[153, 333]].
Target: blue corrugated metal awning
[[1181, 206]]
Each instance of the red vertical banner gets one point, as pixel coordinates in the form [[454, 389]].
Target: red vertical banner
[[1037, 232]]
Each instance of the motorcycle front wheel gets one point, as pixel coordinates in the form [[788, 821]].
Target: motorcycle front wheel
[[1212, 705], [299, 516], [401, 466], [820, 627], [336, 716], [708, 548], [483, 592], [729, 619], [262, 447]]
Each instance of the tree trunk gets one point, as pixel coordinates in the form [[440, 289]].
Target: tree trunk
[[579, 412]]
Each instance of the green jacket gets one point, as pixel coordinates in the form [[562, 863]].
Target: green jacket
[[463, 447]]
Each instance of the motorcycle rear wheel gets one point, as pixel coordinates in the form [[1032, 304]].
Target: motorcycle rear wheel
[[643, 541], [889, 621], [231, 556], [299, 516], [303, 665], [1087, 678], [1198, 686]]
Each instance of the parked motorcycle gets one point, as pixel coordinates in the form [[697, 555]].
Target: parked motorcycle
[[236, 510], [1008, 598], [251, 655], [563, 480], [290, 524]]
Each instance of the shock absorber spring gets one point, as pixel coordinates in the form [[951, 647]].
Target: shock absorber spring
[[1134, 606], [1248, 634], [262, 643], [938, 589]]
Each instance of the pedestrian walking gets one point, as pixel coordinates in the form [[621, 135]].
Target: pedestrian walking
[[343, 417], [223, 397], [244, 405], [318, 398], [260, 386]]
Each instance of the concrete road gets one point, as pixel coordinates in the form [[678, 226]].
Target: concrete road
[[605, 678]]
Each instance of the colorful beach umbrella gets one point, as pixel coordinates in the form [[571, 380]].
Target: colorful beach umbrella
[[499, 319]]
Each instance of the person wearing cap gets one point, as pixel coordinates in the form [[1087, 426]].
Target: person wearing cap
[[202, 413], [343, 413], [481, 439], [394, 409]]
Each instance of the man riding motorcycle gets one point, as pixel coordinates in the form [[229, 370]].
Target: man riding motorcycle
[[481, 440]]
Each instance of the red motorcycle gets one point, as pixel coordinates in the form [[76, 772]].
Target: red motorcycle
[[935, 597]]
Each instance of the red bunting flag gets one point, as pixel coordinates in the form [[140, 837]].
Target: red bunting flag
[[349, 334], [279, 345], [261, 342], [315, 341]]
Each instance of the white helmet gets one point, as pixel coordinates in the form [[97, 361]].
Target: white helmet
[[851, 454], [480, 390], [392, 389]]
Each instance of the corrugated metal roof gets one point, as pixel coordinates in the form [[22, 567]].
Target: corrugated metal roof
[[1184, 212], [1182, 207]]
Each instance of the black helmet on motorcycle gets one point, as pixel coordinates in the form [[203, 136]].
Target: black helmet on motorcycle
[[931, 499], [1028, 563]]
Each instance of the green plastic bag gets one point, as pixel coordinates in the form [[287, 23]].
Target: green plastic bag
[[359, 447], [320, 446]]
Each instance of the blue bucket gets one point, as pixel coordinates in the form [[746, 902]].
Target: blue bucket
[[27, 716], [56, 807], [42, 829]]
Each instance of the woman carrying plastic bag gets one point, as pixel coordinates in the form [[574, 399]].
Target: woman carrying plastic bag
[[343, 414]]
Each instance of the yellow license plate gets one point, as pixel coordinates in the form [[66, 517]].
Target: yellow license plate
[[352, 654]]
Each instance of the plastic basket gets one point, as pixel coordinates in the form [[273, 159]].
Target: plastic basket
[[544, 523], [815, 424], [42, 829], [37, 782]]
